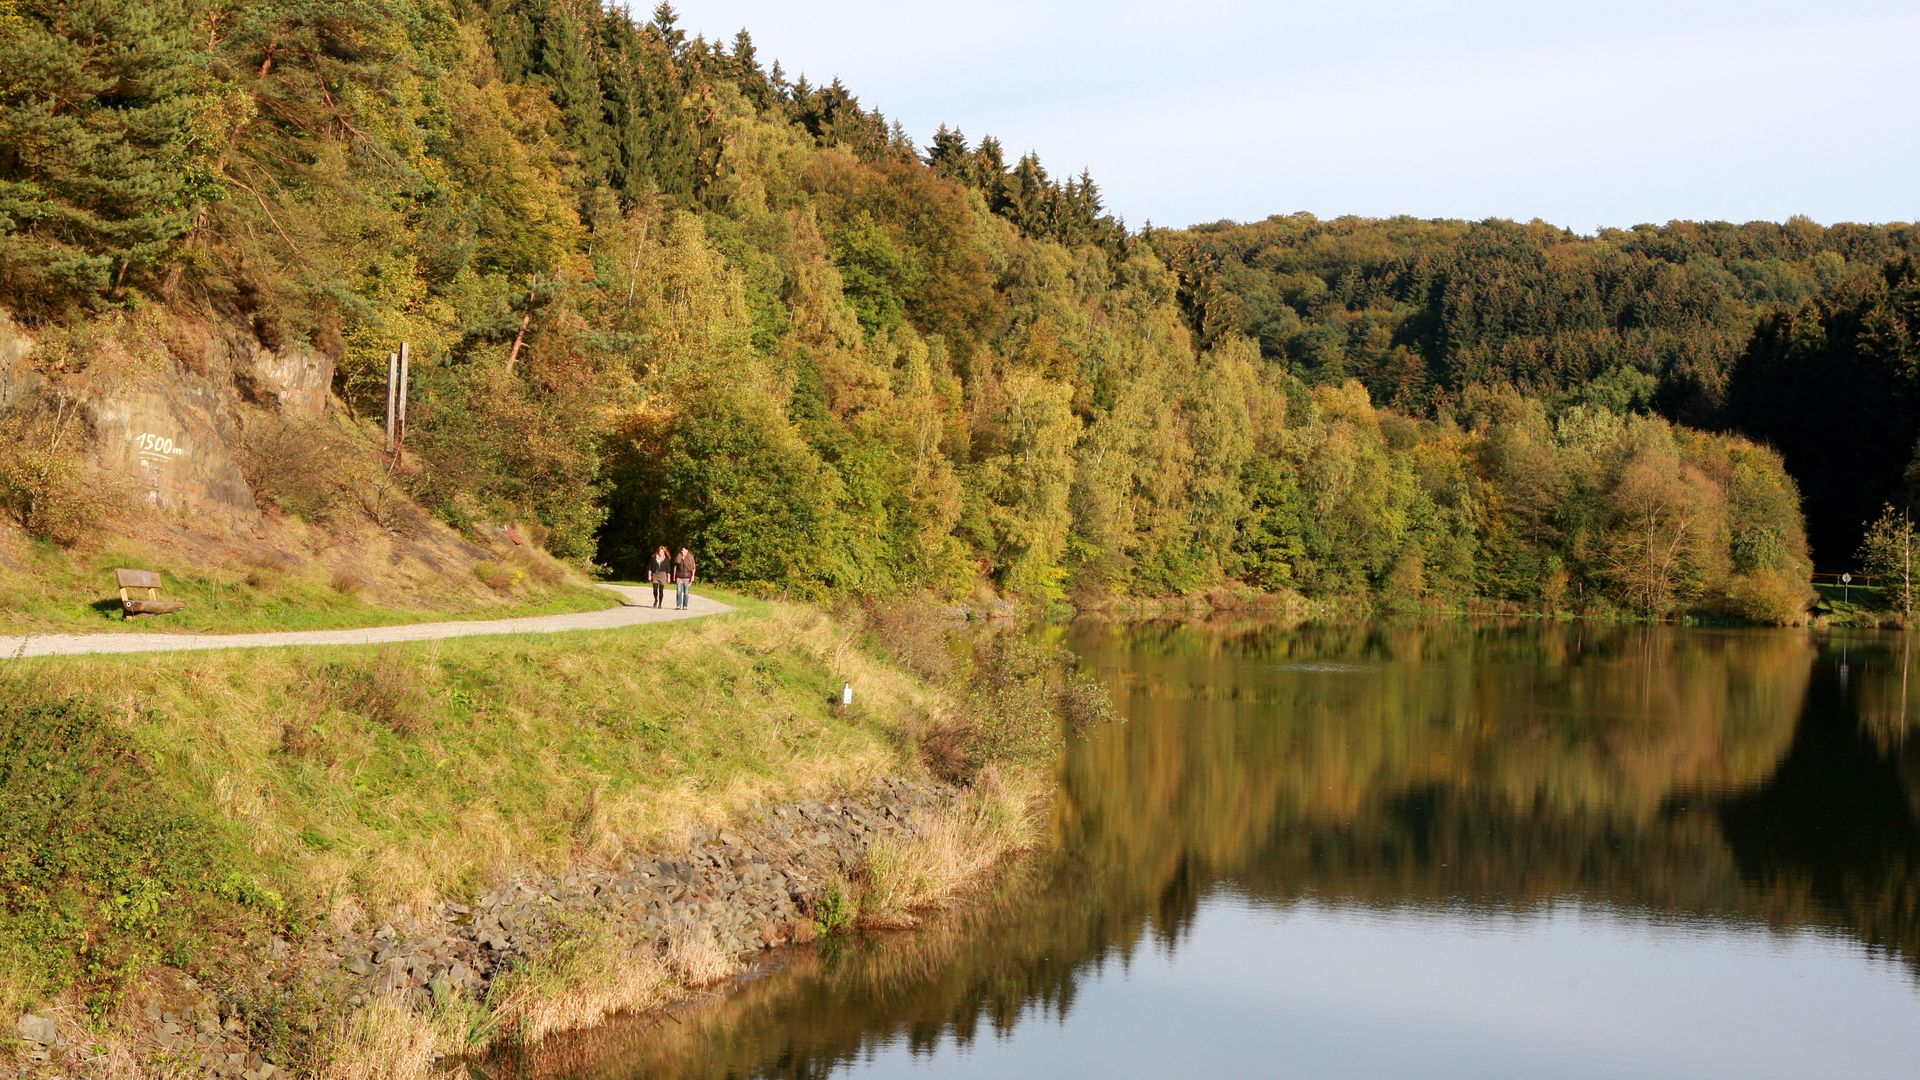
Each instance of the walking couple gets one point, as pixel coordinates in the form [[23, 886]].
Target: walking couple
[[678, 569]]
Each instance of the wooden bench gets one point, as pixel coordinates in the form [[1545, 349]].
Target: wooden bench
[[131, 581]]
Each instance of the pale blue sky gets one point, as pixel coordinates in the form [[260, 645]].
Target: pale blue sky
[[1581, 114]]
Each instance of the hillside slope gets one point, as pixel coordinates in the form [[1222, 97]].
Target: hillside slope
[[659, 292], [1793, 334]]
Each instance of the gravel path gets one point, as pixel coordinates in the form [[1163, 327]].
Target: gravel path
[[636, 608]]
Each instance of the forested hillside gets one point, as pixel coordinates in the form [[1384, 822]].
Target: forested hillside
[[1800, 336], [658, 290]]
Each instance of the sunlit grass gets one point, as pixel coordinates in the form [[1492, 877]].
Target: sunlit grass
[[402, 773], [46, 590]]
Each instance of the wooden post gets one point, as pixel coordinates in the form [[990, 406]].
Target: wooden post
[[400, 427], [393, 390]]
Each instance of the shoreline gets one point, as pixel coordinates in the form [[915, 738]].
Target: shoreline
[[376, 859], [842, 888], [539, 956]]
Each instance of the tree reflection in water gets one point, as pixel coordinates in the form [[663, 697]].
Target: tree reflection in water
[[1723, 776]]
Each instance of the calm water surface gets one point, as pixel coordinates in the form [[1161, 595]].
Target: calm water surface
[[1438, 851]]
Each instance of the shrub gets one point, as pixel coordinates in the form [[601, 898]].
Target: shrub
[[300, 467], [1085, 703], [349, 580], [498, 576], [544, 569], [49, 488], [916, 635], [834, 909], [323, 473], [384, 690], [1769, 596], [1020, 699], [1013, 702]]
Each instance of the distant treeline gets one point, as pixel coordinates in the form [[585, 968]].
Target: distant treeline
[[1796, 335], [660, 292]]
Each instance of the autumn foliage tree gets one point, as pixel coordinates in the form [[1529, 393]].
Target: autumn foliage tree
[[657, 292]]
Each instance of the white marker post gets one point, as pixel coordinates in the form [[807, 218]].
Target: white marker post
[[393, 393], [400, 416]]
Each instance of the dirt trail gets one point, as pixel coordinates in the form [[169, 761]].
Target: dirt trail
[[636, 608]]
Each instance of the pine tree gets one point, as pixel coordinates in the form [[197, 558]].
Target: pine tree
[[99, 172], [566, 61], [666, 24], [949, 155], [990, 173]]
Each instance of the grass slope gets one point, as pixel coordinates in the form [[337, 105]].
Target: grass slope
[[172, 809], [296, 578]]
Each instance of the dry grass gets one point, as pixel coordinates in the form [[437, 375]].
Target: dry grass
[[917, 633], [580, 981], [697, 960], [385, 1040], [90, 1049], [952, 853], [593, 971]]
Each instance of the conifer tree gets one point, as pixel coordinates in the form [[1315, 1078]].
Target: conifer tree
[[990, 174], [666, 23], [99, 169], [566, 60], [949, 155], [744, 68], [510, 25]]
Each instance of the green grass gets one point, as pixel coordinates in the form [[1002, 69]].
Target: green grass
[[289, 781], [1855, 605], [57, 592], [101, 873], [166, 813]]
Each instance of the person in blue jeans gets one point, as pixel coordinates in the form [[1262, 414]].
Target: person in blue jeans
[[683, 573]]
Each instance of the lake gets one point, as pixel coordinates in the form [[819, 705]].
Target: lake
[[1451, 850]]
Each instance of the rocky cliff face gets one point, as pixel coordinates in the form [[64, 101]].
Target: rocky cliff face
[[172, 410]]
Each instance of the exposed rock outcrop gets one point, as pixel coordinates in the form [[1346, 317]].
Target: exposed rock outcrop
[[169, 404]]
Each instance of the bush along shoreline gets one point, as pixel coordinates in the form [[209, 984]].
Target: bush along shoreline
[[201, 879]]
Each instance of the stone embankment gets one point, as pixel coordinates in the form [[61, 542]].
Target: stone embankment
[[743, 889], [746, 889]]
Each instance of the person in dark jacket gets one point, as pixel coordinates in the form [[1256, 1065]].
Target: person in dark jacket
[[682, 579], [660, 571]]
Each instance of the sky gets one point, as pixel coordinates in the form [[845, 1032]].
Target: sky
[[1581, 114]]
